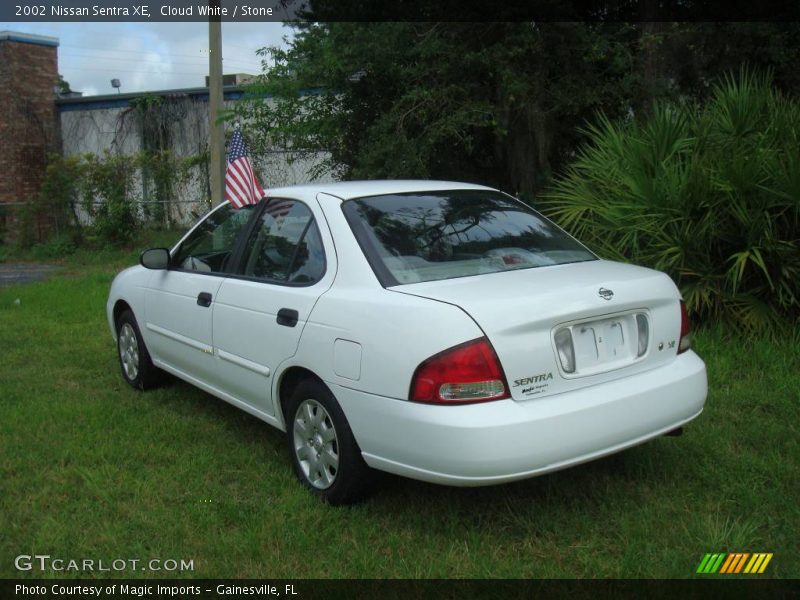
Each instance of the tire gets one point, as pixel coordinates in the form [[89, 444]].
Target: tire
[[134, 359], [324, 453]]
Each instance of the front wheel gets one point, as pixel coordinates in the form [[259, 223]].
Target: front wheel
[[134, 359], [325, 455]]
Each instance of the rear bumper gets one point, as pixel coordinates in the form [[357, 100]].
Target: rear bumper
[[506, 440]]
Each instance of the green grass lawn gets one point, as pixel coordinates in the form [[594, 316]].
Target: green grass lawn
[[90, 468]]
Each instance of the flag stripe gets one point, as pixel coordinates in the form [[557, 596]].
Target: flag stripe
[[241, 183], [236, 186], [235, 192], [279, 208], [241, 180]]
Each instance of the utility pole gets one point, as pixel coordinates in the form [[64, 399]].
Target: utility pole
[[216, 135]]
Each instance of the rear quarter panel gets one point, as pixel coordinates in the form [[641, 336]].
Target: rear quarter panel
[[394, 333]]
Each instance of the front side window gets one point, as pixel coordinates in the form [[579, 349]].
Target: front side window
[[427, 236], [285, 246], [209, 247]]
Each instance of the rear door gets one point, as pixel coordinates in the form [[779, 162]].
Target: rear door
[[261, 309]]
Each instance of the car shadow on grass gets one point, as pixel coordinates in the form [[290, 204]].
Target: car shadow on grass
[[633, 475]]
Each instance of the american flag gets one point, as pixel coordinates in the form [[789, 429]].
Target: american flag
[[241, 185]]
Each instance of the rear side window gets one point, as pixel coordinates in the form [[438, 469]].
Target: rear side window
[[285, 246], [429, 236]]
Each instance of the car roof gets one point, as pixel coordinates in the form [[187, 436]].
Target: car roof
[[347, 190]]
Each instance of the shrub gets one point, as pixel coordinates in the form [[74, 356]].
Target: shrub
[[54, 208], [56, 247], [98, 198], [710, 194]]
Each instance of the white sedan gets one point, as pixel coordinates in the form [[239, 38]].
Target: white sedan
[[441, 331]]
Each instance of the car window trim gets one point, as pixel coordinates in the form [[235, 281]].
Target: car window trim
[[251, 226], [244, 235], [191, 229]]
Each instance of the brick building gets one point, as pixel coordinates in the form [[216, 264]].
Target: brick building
[[29, 128]]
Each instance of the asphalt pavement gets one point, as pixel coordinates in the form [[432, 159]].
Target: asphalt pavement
[[24, 272]]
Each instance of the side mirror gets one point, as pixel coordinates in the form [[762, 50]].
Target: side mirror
[[155, 258]]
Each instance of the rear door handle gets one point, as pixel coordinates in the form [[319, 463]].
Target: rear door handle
[[287, 317], [204, 299]]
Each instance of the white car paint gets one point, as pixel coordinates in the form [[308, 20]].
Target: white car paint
[[364, 341]]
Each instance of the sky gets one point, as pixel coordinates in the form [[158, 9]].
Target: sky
[[150, 56]]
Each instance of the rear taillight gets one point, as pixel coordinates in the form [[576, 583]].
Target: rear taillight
[[469, 372], [686, 336]]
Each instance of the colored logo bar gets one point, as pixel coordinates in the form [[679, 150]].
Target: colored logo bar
[[735, 562]]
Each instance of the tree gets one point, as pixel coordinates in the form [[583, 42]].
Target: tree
[[63, 86], [496, 102], [687, 59]]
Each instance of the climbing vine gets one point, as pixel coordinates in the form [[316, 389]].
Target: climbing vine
[[97, 198]]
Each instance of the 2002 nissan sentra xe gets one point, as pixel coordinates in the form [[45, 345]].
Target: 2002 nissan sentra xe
[[437, 330]]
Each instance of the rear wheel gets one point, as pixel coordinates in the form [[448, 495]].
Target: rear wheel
[[325, 455], [134, 359]]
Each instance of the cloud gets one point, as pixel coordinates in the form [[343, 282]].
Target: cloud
[[150, 56]]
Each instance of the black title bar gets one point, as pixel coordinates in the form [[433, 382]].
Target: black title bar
[[23, 11]]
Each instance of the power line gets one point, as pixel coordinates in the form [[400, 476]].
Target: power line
[[139, 52], [151, 72], [156, 61], [224, 45]]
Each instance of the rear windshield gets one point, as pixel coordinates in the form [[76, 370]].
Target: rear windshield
[[427, 236]]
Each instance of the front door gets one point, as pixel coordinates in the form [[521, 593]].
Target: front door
[[179, 301]]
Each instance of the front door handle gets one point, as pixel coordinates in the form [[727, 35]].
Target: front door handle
[[204, 299], [287, 317]]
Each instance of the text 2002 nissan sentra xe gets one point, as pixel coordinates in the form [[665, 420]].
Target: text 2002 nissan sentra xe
[[437, 330]]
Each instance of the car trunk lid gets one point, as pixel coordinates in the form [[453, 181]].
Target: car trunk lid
[[598, 302]]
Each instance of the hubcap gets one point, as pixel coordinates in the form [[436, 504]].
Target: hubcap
[[129, 351], [315, 444]]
